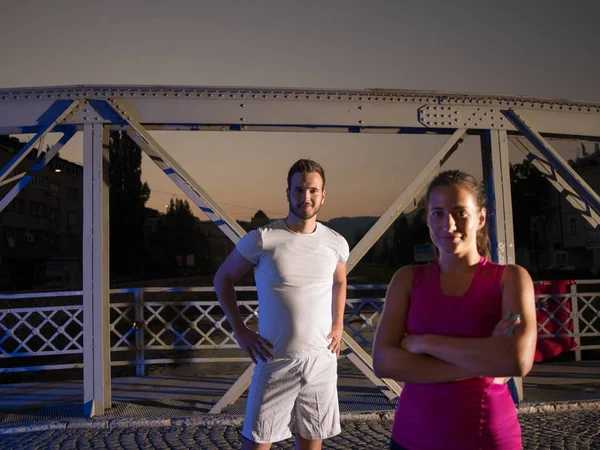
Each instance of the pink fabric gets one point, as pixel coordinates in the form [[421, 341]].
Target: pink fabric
[[467, 414]]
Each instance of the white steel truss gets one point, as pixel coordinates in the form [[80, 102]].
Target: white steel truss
[[96, 109]]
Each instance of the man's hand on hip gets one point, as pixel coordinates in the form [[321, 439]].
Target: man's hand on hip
[[336, 337], [257, 347]]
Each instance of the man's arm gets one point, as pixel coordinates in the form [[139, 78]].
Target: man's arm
[[495, 356], [232, 269], [392, 361], [338, 303]]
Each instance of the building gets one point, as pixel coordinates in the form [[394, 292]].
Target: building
[[581, 240], [41, 229], [561, 239]]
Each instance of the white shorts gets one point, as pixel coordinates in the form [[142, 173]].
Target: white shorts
[[288, 391]]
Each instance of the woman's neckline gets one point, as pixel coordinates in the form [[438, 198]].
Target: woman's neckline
[[480, 264]]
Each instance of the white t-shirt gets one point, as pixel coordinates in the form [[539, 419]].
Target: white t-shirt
[[294, 279]]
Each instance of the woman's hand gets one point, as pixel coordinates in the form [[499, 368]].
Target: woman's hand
[[414, 343], [508, 325]]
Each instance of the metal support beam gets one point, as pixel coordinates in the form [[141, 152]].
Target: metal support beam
[[496, 175], [56, 114], [407, 196], [235, 391], [26, 177], [180, 177], [577, 185], [361, 359], [559, 183], [96, 280], [15, 178]]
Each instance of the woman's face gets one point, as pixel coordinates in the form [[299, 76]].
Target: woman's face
[[454, 219]]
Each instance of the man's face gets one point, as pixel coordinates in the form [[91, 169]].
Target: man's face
[[305, 194]]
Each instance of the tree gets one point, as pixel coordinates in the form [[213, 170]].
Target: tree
[[419, 229], [177, 237], [128, 196], [402, 249], [530, 194]]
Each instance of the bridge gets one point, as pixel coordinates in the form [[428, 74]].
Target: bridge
[[529, 123]]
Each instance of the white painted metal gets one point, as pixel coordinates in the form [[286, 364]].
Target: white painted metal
[[68, 322], [11, 179], [576, 319], [266, 109], [235, 392], [26, 177], [557, 181], [577, 184], [405, 198], [497, 175], [59, 117], [96, 319], [390, 388], [229, 226], [180, 177], [241, 107]]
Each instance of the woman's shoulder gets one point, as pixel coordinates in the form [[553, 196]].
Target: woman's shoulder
[[402, 278], [514, 273], [403, 274], [412, 275]]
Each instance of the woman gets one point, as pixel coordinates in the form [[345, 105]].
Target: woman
[[455, 329]]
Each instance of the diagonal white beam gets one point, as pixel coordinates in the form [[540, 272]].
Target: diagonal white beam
[[576, 183], [180, 177], [407, 196], [361, 359], [557, 181], [26, 177], [235, 391], [14, 162], [15, 178]]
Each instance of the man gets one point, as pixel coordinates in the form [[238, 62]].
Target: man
[[300, 272]]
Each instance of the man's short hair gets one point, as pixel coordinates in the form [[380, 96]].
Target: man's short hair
[[305, 166]]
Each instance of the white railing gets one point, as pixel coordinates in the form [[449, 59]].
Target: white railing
[[157, 325]]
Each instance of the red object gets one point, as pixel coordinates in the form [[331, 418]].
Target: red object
[[553, 317]]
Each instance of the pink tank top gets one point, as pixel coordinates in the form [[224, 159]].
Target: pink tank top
[[469, 414]]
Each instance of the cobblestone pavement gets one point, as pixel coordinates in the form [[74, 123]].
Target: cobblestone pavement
[[561, 430]]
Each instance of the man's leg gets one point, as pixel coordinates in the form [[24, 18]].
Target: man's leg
[[247, 444], [317, 407], [308, 444], [271, 400]]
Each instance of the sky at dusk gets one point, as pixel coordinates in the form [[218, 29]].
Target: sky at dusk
[[538, 48]]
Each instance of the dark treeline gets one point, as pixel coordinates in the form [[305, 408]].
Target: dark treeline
[[145, 243], [148, 244]]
